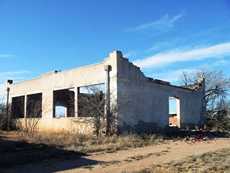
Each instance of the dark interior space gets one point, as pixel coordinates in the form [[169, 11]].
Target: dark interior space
[[63, 103], [34, 106], [90, 100], [17, 107]]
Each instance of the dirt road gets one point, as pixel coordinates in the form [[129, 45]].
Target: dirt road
[[127, 160]]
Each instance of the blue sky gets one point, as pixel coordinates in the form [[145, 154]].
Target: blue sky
[[163, 37]]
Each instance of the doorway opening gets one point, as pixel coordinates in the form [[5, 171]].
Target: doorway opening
[[174, 111]]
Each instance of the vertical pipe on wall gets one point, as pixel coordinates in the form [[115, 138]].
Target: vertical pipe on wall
[[7, 108], [8, 115], [107, 98]]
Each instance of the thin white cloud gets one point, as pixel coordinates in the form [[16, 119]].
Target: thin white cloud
[[6, 55], [164, 23], [14, 75], [194, 54], [174, 75]]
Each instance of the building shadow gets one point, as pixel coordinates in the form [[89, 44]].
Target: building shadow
[[20, 156], [149, 128], [172, 133]]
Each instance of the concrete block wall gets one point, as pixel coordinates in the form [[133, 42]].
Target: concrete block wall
[[74, 78], [145, 101], [137, 98]]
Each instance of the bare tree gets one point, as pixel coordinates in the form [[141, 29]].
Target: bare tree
[[32, 122], [92, 104], [6, 121], [217, 90], [3, 118]]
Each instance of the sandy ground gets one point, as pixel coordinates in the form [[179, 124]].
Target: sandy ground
[[127, 160]]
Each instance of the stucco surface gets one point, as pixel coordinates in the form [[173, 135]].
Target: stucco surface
[[138, 99]]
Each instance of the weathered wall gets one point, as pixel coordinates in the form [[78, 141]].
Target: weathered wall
[[143, 101], [138, 99], [72, 125], [47, 83]]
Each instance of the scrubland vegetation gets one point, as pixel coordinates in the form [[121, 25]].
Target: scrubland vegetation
[[86, 144], [29, 144], [212, 162]]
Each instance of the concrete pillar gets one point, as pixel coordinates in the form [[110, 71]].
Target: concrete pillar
[[47, 104], [25, 112], [108, 68], [25, 106], [178, 111], [76, 91], [203, 111]]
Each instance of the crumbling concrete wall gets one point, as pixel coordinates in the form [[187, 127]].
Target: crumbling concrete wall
[[138, 99], [49, 82], [145, 102]]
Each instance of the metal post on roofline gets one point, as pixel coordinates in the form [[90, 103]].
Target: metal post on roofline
[[9, 82]]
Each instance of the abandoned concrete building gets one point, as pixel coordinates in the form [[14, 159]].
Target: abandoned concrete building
[[141, 102]]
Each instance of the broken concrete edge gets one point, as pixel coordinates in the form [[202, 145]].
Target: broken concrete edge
[[149, 99], [116, 53]]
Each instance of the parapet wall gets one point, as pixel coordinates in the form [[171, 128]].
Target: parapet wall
[[139, 99], [142, 100], [69, 79]]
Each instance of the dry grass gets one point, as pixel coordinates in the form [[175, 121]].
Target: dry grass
[[86, 144], [207, 163]]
